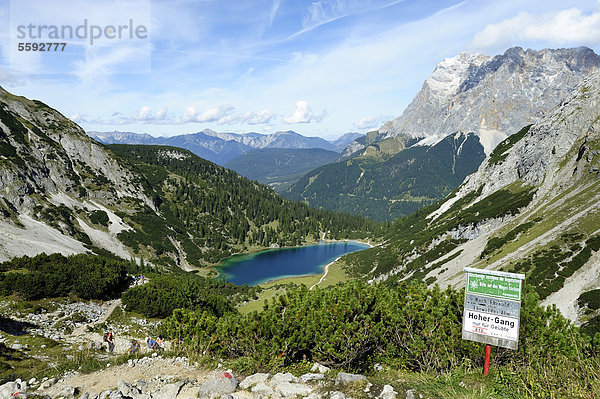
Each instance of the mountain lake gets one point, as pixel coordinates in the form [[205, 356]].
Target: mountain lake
[[273, 264]]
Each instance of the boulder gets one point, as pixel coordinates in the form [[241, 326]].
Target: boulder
[[283, 377], [216, 387], [320, 368], [48, 383], [169, 391], [263, 390], [8, 389], [345, 378], [254, 379], [410, 394], [388, 392], [291, 390], [127, 390], [66, 392], [337, 395]]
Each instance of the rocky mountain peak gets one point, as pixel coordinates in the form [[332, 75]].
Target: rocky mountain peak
[[451, 72], [492, 96]]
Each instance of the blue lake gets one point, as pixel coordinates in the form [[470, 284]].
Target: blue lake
[[260, 267]]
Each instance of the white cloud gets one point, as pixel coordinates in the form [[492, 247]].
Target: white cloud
[[370, 122], [221, 114], [10, 78], [569, 26], [303, 114], [258, 118], [215, 114]]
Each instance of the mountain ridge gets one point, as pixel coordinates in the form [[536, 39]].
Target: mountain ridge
[[531, 207], [222, 147]]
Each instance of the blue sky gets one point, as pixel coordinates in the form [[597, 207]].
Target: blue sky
[[321, 68]]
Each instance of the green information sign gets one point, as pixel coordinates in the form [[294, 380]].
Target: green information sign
[[494, 285], [492, 307]]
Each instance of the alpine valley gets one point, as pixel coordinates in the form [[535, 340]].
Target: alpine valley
[[494, 165], [467, 106], [61, 191]]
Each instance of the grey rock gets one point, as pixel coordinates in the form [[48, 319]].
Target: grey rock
[[410, 394], [312, 377], [225, 384], [17, 347], [66, 392], [291, 390], [283, 377], [6, 390], [388, 392], [169, 391], [48, 383], [126, 389], [262, 389], [254, 379], [116, 395], [345, 378], [320, 368], [85, 396], [337, 395]]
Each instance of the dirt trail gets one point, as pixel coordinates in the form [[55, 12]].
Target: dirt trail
[[154, 372]]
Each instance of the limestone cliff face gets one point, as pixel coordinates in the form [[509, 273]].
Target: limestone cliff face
[[504, 93], [493, 97], [554, 153], [52, 175], [44, 152]]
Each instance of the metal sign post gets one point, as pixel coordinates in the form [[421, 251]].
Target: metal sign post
[[492, 309]]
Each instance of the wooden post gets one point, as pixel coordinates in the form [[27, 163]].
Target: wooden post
[[486, 362]]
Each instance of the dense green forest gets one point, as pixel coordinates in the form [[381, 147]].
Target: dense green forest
[[213, 212], [386, 187], [49, 276], [162, 294]]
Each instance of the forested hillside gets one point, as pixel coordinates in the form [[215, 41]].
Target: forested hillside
[[384, 187], [213, 212]]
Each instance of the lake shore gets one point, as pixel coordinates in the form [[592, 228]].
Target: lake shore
[[256, 250], [274, 272]]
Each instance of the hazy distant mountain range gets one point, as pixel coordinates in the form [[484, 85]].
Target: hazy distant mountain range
[[222, 147], [280, 167]]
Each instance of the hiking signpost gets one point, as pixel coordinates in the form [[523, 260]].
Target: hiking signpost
[[492, 309]]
